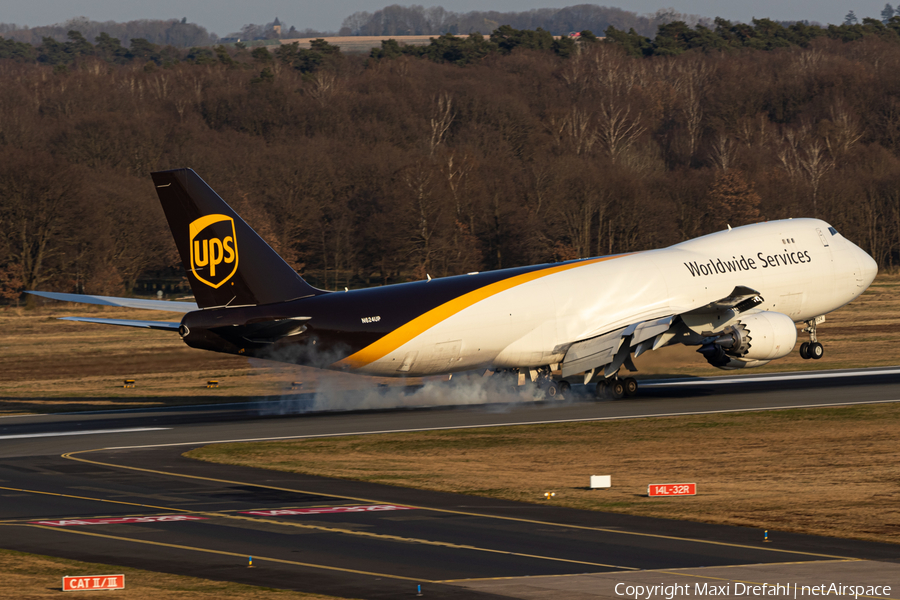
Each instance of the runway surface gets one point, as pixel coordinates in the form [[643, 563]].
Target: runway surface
[[124, 495]]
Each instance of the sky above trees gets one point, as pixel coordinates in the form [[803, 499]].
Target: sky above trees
[[226, 16]]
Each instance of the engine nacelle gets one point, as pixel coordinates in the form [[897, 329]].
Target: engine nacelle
[[753, 341]]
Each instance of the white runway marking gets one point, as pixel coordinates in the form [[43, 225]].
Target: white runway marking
[[511, 424], [89, 432], [768, 378]]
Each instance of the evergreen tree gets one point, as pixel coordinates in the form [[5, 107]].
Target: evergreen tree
[[111, 49], [887, 13], [732, 200], [850, 18]]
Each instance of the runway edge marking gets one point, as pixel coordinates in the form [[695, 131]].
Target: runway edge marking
[[71, 456], [223, 553]]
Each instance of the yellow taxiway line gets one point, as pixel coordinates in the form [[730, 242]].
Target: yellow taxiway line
[[368, 534], [225, 553], [71, 456]]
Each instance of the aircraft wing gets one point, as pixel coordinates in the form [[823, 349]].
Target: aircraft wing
[[613, 349], [163, 325], [166, 305]]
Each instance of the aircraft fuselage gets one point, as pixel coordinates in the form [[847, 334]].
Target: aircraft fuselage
[[530, 316]]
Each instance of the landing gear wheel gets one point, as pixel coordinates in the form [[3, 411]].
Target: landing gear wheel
[[616, 389], [815, 350], [564, 386], [551, 390], [631, 387], [601, 390], [804, 350]]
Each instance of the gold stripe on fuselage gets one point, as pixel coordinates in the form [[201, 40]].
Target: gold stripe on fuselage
[[406, 332]]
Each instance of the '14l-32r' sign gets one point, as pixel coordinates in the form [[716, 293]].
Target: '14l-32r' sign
[[672, 489]]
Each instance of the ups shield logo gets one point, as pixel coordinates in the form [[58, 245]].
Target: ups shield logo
[[214, 253]]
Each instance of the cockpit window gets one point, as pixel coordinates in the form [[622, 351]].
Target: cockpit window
[[832, 230]]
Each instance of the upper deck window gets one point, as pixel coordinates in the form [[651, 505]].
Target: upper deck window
[[832, 230]]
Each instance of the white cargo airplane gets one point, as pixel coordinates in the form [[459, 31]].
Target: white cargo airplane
[[736, 294]]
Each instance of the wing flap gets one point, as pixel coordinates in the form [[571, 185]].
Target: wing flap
[[165, 305], [592, 353], [162, 325]]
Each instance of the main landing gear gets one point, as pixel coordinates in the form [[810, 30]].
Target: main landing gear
[[542, 378], [812, 349], [615, 388], [554, 390]]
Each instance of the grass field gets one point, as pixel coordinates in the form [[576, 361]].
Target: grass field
[[28, 576], [831, 471], [51, 365]]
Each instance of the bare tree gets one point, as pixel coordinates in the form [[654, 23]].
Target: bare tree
[[617, 130], [802, 155], [323, 86], [442, 116], [39, 208], [574, 131], [815, 162], [691, 78], [722, 152], [844, 130], [425, 210]]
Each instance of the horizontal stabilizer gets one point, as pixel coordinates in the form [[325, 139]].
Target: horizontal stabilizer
[[181, 307], [163, 325]]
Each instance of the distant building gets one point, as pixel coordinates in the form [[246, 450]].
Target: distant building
[[276, 27]]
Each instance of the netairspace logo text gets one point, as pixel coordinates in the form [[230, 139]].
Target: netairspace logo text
[[790, 590]]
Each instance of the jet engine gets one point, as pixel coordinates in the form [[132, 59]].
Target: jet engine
[[753, 341]]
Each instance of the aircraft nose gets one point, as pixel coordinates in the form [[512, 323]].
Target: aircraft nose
[[868, 267]]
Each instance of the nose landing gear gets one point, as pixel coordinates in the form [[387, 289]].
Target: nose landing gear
[[812, 349]]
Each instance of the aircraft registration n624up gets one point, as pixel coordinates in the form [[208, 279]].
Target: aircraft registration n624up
[[736, 295]]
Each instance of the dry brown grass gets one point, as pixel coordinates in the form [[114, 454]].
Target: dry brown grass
[[827, 471], [51, 365], [27, 576]]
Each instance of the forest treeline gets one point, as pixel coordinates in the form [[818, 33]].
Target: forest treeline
[[364, 170], [435, 20], [393, 20], [163, 32]]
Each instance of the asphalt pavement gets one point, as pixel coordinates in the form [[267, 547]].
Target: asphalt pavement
[[113, 487]]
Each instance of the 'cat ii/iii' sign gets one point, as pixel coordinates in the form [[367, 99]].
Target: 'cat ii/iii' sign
[[79, 583]]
